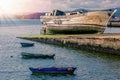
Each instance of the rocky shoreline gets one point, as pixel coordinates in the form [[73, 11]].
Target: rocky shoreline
[[95, 43]]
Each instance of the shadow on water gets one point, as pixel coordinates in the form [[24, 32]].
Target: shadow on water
[[47, 74], [104, 56], [52, 76], [36, 58], [92, 54]]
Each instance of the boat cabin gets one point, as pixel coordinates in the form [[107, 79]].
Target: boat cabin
[[55, 13]]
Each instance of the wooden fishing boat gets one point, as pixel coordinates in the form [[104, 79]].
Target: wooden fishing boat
[[33, 55], [27, 44], [53, 70], [76, 21]]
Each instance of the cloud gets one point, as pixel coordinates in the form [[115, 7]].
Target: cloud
[[19, 6], [110, 4], [31, 6], [88, 4], [36, 5]]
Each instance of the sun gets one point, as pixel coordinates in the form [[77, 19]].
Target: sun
[[6, 6]]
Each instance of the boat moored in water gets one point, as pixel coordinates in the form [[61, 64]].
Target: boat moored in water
[[53, 70], [23, 44], [33, 55]]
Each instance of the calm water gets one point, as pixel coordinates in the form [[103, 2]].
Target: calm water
[[90, 66]]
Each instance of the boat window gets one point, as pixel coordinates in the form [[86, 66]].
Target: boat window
[[73, 13]]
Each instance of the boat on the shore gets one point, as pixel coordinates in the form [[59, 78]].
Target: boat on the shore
[[76, 21], [26, 44], [33, 55], [53, 70]]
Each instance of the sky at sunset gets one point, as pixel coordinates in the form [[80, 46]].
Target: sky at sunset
[[23, 6]]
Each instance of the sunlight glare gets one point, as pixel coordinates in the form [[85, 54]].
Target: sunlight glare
[[6, 6]]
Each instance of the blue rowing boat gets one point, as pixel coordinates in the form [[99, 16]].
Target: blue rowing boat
[[53, 70], [27, 44]]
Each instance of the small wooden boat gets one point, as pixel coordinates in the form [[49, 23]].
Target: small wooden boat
[[27, 44], [33, 55], [53, 70]]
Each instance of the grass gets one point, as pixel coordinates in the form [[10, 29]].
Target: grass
[[109, 36]]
